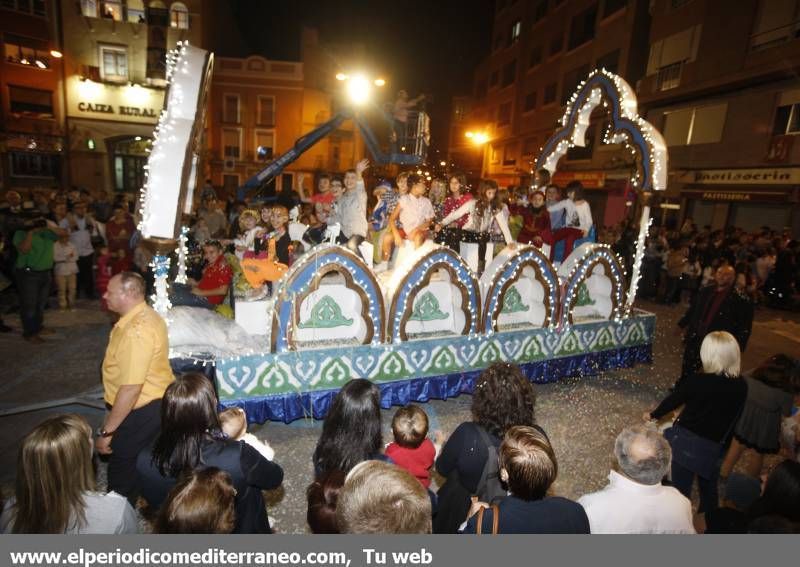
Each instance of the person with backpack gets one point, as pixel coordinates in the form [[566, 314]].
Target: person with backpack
[[503, 397]]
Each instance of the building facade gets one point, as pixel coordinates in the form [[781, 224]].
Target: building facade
[[541, 51], [260, 108], [114, 83], [32, 134], [722, 86]]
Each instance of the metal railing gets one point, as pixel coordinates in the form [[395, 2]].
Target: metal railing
[[776, 36]]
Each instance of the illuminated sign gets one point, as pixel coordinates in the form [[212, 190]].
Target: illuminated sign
[[120, 109], [756, 176]]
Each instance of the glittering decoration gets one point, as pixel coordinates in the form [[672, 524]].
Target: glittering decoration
[[160, 298], [182, 251]]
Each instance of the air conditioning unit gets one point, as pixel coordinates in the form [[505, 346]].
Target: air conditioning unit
[[230, 164]]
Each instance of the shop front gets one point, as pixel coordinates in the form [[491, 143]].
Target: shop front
[[110, 132], [744, 198]]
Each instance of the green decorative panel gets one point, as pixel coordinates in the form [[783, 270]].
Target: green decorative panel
[[326, 314], [393, 367], [583, 296], [426, 308], [512, 302]]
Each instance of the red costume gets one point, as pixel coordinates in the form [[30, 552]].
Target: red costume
[[216, 275], [535, 225]]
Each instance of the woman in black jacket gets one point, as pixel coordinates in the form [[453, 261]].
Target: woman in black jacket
[[712, 403], [503, 397], [191, 439]]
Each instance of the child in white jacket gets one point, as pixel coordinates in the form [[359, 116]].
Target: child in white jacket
[[65, 259]]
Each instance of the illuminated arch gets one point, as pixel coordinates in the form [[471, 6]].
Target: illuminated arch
[[604, 87], [304, 277], [510, 272], [579, 267], [418, 276]]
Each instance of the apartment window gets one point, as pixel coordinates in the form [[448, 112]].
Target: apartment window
[[516, 29], [509, 73], [776, 23], [510, 153], [111, 10], [89, 8], [230, 109], [609, 61], [265, 145], [494, 154], [675, 4], [530, 101], [669, 77], [699, 125], [136, 13], [550, 93], [231, 142], [23, 100], [530, 147], [787, 115], [27, 51], [539, 11], [34, 7], [613, 6], [35, 164], [581, 29], [536, 56], [677, 48], [266, 110], [504, 114], [114, 63], [493, 78], [179, 16], [571, 81], [557, 43]]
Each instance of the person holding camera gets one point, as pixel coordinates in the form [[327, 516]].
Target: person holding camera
[[34, 245]]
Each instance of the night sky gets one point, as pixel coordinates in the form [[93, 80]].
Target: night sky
[[423, 46]]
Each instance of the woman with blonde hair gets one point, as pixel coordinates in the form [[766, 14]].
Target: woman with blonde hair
[[55, 487], [712, 400]]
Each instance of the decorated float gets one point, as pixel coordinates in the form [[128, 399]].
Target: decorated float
[[426, 329]]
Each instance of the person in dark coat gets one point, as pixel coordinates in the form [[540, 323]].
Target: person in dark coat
[[191, 439], [528, 466], [715, 308]]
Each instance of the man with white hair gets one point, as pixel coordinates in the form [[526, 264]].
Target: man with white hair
[[635, 501]]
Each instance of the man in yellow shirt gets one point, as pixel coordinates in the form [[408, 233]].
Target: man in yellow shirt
[[136, 372]]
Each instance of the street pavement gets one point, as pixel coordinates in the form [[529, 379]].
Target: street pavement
[[582, 416]]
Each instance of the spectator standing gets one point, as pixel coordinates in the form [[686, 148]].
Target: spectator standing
[[82, 228], [65, 259], [136, 372]]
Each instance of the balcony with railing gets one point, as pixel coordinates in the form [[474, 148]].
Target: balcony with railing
[[775, 36], [669, 77]]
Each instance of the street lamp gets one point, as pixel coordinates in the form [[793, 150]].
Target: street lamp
[[478, 138], [358, 86]]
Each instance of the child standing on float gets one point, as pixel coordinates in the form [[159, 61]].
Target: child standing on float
[[482, 212]]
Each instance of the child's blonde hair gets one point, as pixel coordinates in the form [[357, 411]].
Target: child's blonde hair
[[233, 422], [252, 213]]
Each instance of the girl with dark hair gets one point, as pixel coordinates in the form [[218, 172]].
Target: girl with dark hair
[[481, 213], [503, 397], [351, 432], [191, 439], [450, 236], [322, 496], [770, 393]]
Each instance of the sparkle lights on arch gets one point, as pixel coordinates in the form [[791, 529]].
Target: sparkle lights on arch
[[304, 276], [604, 87]]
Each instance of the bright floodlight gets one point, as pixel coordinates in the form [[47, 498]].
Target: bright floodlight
[[341, 76], [469, 134], [379, 82], [480, 138], [57, 54], [358, 89]]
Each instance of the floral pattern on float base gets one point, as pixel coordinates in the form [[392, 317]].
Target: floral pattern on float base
[[427, 309], [297, 372], [326, 314], [512, 302]]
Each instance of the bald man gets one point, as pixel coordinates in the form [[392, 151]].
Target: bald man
[[136, 372], [635, 501], [716, 307]]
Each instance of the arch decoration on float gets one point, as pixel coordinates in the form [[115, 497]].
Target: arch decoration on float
[[520, 289], [594, 286], [434, 293], [626, 127], [329, 297]]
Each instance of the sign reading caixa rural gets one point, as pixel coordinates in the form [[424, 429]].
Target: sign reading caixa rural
[[117, 109], [755, 176]]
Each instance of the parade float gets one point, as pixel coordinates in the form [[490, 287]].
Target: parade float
[[426, 329]]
